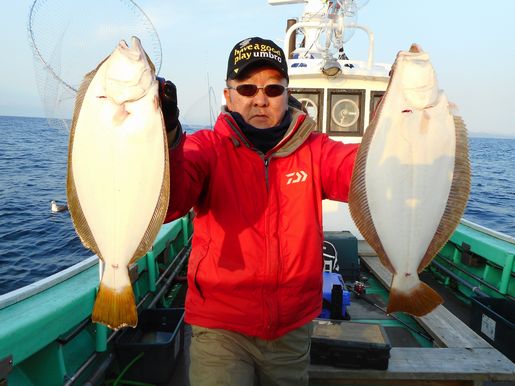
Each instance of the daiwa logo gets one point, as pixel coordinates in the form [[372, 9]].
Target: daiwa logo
[[296, 177]]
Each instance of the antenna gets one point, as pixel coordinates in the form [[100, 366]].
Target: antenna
[[211, 94]]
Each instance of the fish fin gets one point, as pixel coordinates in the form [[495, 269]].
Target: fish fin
[[115, 308], [418, 301], [81, 92], [358, 203], [458, 195], [160, 211], [79, 220], [76, 213]]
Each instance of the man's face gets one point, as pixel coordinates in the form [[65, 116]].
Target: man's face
[[260, 110]]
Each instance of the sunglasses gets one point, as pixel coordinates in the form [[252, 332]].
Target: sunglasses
[[249, 90]]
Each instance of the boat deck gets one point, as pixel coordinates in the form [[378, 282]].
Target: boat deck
[[458, 357]]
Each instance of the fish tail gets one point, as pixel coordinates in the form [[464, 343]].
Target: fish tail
[[115, 308], [418, 301]]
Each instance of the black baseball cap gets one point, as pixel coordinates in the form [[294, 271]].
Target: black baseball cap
[[255, 50]]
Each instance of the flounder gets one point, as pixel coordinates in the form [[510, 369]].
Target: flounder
[[411, 179], [118, 173]]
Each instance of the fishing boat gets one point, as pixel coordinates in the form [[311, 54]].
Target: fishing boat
[[46, 333]]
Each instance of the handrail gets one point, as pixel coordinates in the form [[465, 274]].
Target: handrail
[[488, 231], [171, 277], [479, 279], [474, 288], [29, 290], [313, 24]]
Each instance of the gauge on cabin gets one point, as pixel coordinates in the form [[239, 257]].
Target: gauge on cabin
[[310, 106], [345, 112]]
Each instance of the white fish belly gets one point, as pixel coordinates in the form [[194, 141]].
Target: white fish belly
[[409, 172], [118, 170]]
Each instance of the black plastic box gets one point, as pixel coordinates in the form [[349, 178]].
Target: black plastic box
[[341, 254], [349, 345], [494, 320], [160, 337]]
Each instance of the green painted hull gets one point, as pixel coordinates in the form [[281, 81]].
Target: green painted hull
[[47, 337], [477, 260]]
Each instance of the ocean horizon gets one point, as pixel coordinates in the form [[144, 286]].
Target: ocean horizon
[[471, 134]]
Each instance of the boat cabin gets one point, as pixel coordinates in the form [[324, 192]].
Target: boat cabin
[[340, 94]]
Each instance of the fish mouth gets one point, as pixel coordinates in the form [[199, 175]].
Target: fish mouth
[[422, 97], [418, 74], [129, 75], [134, 52], [415, 49], [419, 84]]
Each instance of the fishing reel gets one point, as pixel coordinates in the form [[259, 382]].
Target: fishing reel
[[359, 288]]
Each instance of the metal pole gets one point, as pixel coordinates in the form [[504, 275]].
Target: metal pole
[[169, 281], [479, 279], [474, 289], [293, 37]]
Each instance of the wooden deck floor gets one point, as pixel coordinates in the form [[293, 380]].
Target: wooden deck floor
[[460, 356]]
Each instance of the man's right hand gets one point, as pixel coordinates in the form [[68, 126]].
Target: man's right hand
[[168, 97]]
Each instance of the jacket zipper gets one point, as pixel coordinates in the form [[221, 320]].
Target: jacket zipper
[[271, 317], [267, 162], [273, 260]]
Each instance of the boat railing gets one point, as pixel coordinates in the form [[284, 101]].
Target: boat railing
[[488, 231], [29, 290], [330, 25]]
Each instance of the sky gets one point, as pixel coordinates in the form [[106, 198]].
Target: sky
[[470, 42]]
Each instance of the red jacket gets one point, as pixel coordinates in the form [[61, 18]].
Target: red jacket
[[256, 261]]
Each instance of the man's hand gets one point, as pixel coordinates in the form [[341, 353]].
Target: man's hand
[[168, 97]]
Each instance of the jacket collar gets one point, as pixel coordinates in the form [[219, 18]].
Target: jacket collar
[[299, 130]]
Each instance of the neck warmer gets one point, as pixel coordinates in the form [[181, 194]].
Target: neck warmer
[[263, 139]]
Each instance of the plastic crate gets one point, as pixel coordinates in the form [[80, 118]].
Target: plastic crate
[[328, 311], [494, 320], [159, 339]]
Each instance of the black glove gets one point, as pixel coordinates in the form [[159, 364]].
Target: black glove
[[168, 97]]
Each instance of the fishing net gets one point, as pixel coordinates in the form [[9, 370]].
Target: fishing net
[[70, 38]]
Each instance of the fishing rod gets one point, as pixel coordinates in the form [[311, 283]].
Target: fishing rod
[[361, 294]]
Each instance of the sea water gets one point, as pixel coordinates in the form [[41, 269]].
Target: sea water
[[35, 243]]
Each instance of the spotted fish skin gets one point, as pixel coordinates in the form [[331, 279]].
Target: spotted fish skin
[[411, 179], [118, 173]]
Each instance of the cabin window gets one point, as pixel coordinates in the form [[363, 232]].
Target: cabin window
[[375, 98], [311, 100], [345, 115]]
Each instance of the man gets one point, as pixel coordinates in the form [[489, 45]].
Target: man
[[256, 183]]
